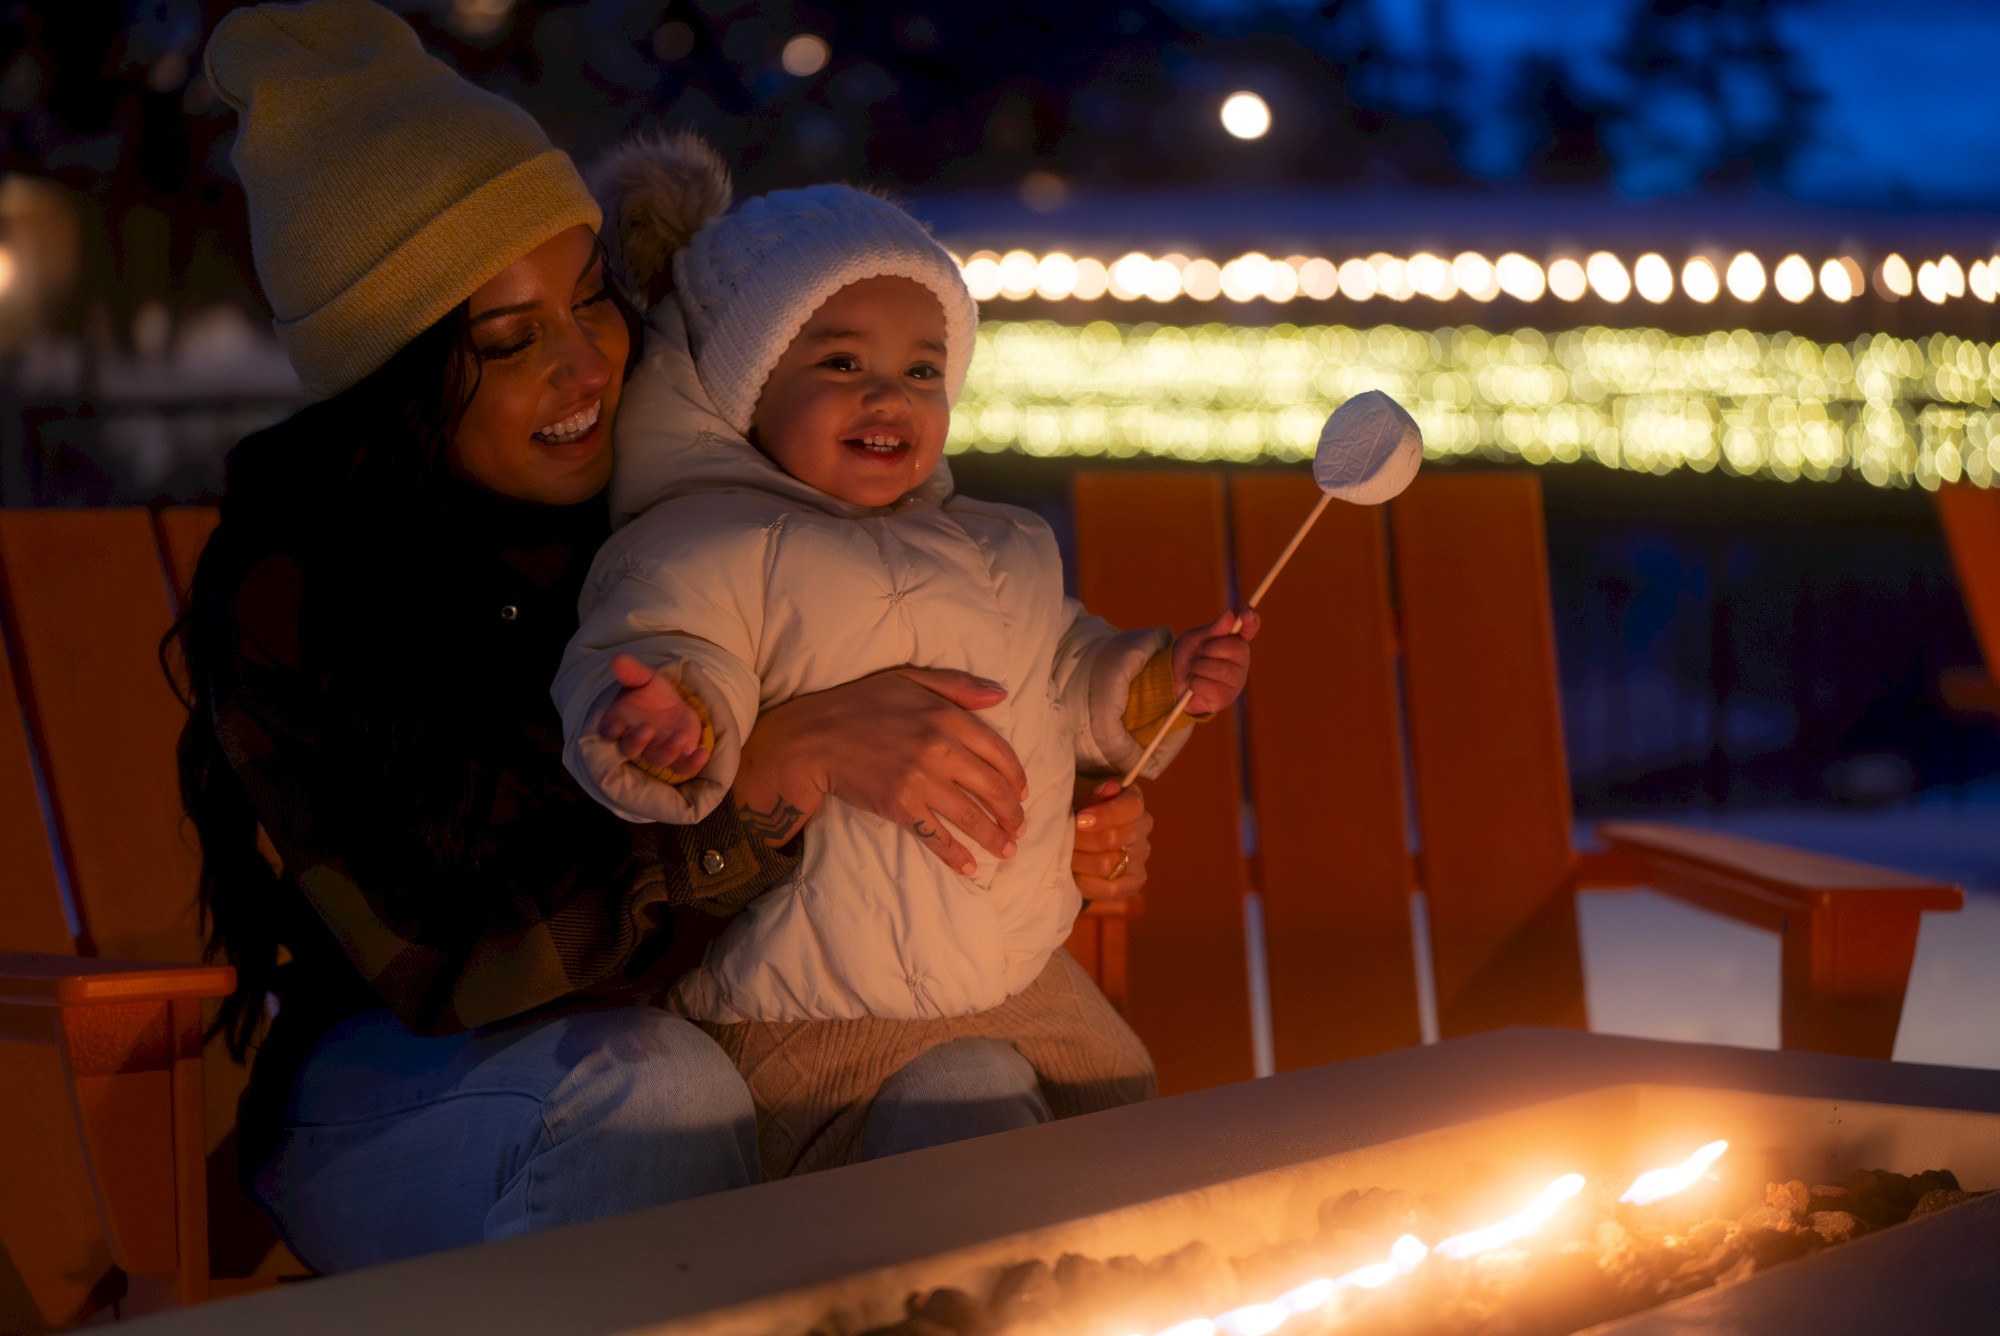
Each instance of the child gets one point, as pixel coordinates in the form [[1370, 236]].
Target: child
[[793, 527]]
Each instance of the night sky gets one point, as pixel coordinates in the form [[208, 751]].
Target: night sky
[[1911, 113]]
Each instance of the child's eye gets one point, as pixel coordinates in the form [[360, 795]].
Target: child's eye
[[840, 362], [926, 371], [502, 353], [596, 298]]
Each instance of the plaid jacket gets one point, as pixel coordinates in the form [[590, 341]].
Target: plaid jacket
[[381, 688]]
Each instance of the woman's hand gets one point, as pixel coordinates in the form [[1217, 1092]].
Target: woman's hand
[[900, 744], [1113, 840]]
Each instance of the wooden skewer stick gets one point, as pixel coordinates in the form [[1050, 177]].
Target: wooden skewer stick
[[1256, 597]]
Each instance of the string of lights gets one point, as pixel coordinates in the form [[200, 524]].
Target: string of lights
[[1893, 411], [1056, 276]]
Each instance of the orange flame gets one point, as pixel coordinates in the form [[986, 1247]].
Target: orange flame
[[1657, 1183], [1517, 1226]]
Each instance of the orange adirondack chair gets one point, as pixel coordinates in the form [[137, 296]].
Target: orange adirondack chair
[[1421, 633], [1971, 519], [112, 1119]]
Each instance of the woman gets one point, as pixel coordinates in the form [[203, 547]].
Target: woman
[[462, 1048]]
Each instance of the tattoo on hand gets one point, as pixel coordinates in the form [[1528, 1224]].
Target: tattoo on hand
[[925, 830], [773, 827]]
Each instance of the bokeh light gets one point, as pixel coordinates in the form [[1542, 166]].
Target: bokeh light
[[1654, 277], [1891, 411], [1519, 277], [1894, 277], [1246, 116], [804, 55], [1357, 280], [1745, 277], [1699, 281], [1475, 276], [1793, 278], [1567, 280], [1607, 276], [1835, 282]]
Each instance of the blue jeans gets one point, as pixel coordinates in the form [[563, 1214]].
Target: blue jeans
[[396, 1145]]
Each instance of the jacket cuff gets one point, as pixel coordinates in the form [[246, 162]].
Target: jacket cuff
[[1107, 680]]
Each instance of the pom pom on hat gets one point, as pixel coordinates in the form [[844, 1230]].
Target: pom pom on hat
[[657, 191]]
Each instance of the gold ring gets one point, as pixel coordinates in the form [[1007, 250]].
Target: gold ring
[[1124, 862]]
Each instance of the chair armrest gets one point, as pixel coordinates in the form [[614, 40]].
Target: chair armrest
[[38, 980], [1847, 931], [1750, 880]]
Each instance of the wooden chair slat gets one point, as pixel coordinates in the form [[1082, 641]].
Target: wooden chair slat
[[184, 531], [88, 597], [1150, 553], [31, 912], [1485, 728], [1326, 773], [1971, 517]]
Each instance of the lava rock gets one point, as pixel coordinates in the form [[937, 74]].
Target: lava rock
[[1834, 1226], [953, 1310], [1025, 1290], [1768, 1247], [1938, 1199], [1793, 1197]]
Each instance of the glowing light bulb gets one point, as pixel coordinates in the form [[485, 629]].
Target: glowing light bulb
[[1246, 115], [1952, 276], [982, 276], [1129, 276], [1607, 276], [1654, 277], [1055, 276], [1698, 280], [1567, 280], [1018, 275], [1657, 1183], [805, 54], [1318, 278], [1202, 279], [1895, 276], [1745, 277], [1093, 280], [1793, 278], [1519, 277], [1475, 276], [1930, 283], [1357, 280]]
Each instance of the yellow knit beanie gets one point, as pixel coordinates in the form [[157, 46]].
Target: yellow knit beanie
[[383, 187]]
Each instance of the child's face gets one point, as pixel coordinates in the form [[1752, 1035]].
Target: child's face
[[856, 406]]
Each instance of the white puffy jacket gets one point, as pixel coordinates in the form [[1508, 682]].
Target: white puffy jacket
[[750, 588]]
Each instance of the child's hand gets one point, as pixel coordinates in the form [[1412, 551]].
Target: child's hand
[[1215, 661], [652, 722]]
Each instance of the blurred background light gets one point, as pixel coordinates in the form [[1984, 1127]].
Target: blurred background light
[[1567, 280], [1475, 276], [1653, 277], [1699, 281], [1745, 277], [1835, 282], [1894, 277], [1793, 278], [1519, 277], [1607, 276], [1246, 115], [804, 55]]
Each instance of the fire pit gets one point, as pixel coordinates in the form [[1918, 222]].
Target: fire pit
[[1505, 1116]]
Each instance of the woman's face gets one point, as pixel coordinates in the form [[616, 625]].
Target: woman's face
[[551, 348]]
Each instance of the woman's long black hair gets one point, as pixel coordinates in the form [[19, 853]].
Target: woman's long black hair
[[391, 430]]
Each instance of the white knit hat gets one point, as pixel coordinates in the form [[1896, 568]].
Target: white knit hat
[[751, 279]]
